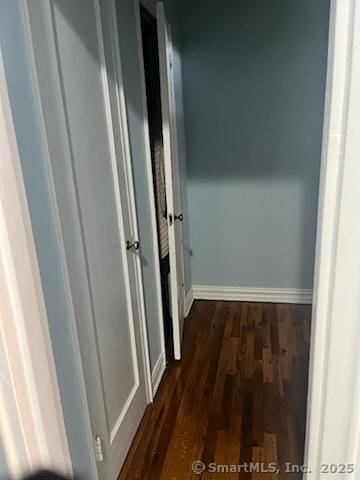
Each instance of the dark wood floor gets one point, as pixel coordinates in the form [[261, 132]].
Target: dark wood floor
[[238, 395]]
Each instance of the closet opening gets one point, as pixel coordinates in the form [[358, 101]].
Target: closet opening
[[155, 125]]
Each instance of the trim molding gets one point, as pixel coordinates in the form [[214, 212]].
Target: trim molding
[[333, 419], [189, 300], [31, 416], [158, 372], [246, 294]]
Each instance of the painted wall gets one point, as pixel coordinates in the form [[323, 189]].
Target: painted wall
[[33, 164], [254, 83], [135, 112]]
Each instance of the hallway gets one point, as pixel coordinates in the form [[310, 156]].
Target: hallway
[[238, 395]]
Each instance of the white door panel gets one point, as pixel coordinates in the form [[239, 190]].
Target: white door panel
[[73, 82], [172, 178], [177, 193]]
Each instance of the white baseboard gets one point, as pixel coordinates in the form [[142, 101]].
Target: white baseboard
[[245, 294], [189, 300], [158, 372]]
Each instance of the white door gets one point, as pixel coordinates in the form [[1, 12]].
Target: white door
[[95, 201], [172, 177]]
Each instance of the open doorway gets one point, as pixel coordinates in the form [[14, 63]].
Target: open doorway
[[153, 101], [253, 88], [243, 374], [156, 54]]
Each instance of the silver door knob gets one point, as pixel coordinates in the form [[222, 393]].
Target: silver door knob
[[134, 245]]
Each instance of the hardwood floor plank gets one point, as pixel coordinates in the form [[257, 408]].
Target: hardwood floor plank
[[237, 396]]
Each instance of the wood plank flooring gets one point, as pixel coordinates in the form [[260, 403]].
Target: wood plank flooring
[[237, 396]]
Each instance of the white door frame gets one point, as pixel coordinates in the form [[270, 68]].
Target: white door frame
[[31, 418], [333, 419]]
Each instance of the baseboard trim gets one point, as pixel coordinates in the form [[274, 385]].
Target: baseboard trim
[[158, 372], [245, 294], [189, 300]]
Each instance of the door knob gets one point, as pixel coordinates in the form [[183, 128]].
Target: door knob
[[134, 245], [179, 217]]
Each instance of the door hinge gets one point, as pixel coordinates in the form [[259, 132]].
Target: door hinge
[[99, 449]]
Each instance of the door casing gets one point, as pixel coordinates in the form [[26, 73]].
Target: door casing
[[333, 413], [32, 424]]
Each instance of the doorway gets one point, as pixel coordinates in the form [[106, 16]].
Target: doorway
[[229, 172], [153, 101], [156, 54], [328, 361], [234, 331]]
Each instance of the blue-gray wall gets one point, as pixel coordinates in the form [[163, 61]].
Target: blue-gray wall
[[254, 82], [33, 164]]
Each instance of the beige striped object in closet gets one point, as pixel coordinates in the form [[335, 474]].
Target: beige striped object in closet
[[160, 194]]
